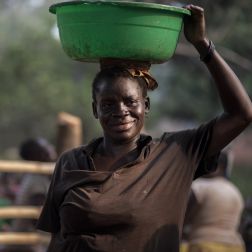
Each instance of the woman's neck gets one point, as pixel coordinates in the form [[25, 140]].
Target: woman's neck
[[118, 148], [110, 156]]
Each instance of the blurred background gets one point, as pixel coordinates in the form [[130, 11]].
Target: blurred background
[[37, 79]]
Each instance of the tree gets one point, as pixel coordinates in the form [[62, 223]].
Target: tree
[[37, 79]]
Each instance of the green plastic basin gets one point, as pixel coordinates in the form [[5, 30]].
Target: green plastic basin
[[90, 31]]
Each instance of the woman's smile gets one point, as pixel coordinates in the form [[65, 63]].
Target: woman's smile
[[122, 126]]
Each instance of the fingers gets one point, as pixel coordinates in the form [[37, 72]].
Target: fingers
[[194, 25], [194, 8]]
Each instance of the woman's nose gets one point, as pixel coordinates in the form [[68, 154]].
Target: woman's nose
[[120, 109]]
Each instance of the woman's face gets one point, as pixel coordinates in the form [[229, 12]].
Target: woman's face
[[120, 108]]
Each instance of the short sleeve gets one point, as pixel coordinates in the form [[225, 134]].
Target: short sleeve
[[206, 164], [49, 218], [195, 143]]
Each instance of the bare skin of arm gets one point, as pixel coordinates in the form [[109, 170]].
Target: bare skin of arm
[[236, 103]]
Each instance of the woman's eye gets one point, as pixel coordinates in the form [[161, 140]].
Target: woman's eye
[[106, 105], [132, 102]]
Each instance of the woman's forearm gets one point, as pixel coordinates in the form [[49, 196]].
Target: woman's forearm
[[234, 98], [236, 103]]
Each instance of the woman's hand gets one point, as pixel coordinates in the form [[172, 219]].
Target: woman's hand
[[194, 26]]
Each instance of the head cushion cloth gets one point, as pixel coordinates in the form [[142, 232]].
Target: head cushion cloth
[[135, 69]]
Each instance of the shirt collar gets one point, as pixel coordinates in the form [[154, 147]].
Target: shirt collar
[[143, 144]]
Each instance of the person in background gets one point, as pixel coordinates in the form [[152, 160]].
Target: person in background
[[6, 199], [214, 212], [125, 191], [33, 187]]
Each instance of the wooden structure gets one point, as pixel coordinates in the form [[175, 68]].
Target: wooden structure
[[30, 212], [26, 167], [69, 135], [18, 212], [23, 238], [69, 132]]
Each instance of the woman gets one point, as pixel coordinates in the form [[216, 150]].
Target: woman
[[126, 191]]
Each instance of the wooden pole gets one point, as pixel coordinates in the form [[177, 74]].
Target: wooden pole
[[23, 238], [27, 212], [69, 132], [26, 166]]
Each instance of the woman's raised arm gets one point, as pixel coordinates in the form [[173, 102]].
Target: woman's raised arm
[[236, 103]]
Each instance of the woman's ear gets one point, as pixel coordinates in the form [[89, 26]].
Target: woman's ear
[[94, 109], [147, 105]]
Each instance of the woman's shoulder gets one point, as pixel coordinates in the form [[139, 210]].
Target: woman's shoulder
[[188, 133], [72, 153], [72, 159], [82, 150], [175, 135]]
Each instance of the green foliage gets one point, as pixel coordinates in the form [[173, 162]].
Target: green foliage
[[37, 79], [241, 176]]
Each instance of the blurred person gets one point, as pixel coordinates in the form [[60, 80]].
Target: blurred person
[[214, 212], [5, 199], [10, 183], [33, 188], [183, 246], [126, 191], [9, 186]]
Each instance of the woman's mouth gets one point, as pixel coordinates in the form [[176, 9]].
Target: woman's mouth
[[122, 126]]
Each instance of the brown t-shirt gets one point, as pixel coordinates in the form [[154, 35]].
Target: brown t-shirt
[[139, 207]]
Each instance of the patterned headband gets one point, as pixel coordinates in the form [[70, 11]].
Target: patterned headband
[[135, 69]]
